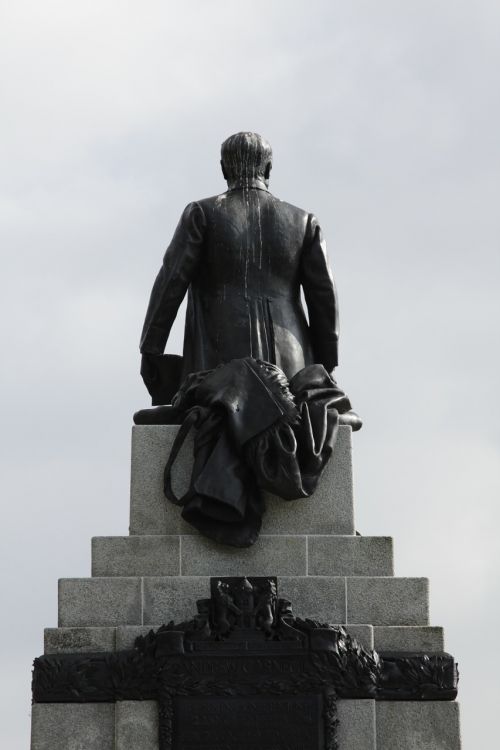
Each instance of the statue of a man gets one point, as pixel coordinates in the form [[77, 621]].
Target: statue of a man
[[255, 380], [243, 257]]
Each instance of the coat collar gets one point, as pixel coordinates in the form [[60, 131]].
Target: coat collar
[[254, 183]]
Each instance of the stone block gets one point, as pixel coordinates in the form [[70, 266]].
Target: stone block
[[136, 556], [275, 555], [328, 511], [100, 602], [318, 597], [356, 729], [136, 725], [173, 598], [350, 556], [150, 511], [78, 640], [388, 601], [412, 638], [414, 725], [73, 726]]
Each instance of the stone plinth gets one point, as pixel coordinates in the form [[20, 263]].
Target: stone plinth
[[329, 511]]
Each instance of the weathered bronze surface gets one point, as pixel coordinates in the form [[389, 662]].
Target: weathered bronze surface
[[255, 380], [242, 257], [254, 431]]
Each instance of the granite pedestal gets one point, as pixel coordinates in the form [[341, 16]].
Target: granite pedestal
[[157, 573]]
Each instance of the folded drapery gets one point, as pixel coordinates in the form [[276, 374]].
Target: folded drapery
[[254, 431]]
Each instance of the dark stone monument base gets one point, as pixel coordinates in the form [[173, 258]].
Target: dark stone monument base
[[244, 672]]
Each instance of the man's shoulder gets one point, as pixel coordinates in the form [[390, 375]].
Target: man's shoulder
[[290, 215], [231, 200], [211, 201], [293, 209]]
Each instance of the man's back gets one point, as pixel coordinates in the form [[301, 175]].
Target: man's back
[[252, 239], [250, 266], [243, 256]]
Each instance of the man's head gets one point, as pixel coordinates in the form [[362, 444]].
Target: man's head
[[246, 157]]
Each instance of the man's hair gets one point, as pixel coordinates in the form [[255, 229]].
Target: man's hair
[[245, 156]]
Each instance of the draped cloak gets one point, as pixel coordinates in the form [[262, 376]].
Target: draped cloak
[[253, 431]]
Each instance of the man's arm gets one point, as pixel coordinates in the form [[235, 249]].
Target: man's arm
[[321, 296], [178, 268]]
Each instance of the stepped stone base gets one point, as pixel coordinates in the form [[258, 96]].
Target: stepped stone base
[[285, 554], [363, 725], [156, 574], [114, 601]]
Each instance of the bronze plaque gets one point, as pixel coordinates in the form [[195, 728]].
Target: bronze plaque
[[266, 722]]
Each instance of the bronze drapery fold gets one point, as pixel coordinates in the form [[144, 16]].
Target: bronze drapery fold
[[254, 431]]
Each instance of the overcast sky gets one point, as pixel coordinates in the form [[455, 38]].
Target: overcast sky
[[384, 119]]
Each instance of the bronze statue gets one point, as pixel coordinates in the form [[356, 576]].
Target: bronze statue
[[255, 380], [242, 257]]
